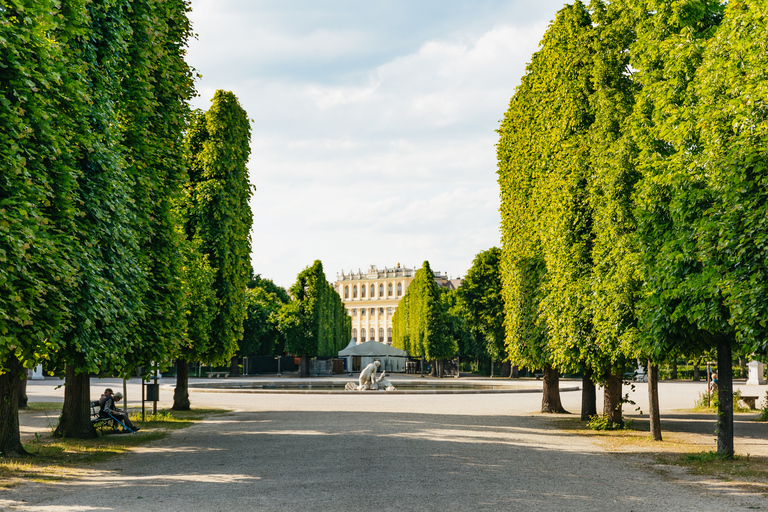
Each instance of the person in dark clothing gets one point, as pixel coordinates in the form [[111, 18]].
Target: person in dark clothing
[[107, 407]]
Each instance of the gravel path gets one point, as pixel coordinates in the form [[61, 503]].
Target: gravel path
[[341, 452]]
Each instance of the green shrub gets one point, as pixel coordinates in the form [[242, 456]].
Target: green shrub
[[598, 422]]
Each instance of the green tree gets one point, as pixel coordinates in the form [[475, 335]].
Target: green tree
[[424, 332], [261, 333], [127, 310], [544, 170], [479, 298], [315, 323], [218, 214], [106, 306], [683, 309], [38, 90]]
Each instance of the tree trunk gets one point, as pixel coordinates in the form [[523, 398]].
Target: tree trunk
[[653, 400], [22, 386], [10, 436], [303, 367], [181, 392], [550, 401], [612, 399], [725, 395], [588, 396], [423, 366], [75, 420], [491, 367], [514, 373], [696, 372], [673, 372], [506, 369], [233, 369]]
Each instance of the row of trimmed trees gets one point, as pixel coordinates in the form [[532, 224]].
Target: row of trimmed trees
[[437, 323], [116, 249], [630, 163]]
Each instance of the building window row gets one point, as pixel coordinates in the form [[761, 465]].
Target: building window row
[[363, 289], [372, 333]]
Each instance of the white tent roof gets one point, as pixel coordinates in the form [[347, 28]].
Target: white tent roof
[[373, 349]]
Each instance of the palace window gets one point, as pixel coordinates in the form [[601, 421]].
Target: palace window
[[346, 292], [389, 335], [373, 291], [362, 292], [390, 310], [373, 334], [373, 311], [354, 311], [399, 289], [381, 311], [362, 335], [381, 334], [381, 290], [389, 290], [354, 292], [354, 335], [362, 311]]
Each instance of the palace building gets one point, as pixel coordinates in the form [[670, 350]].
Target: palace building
[[371, 299]]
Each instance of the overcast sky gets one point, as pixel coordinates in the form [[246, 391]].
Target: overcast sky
[[374, 123]]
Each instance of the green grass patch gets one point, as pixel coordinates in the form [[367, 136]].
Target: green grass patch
[[56, 459], [42, 406], [747, 469]]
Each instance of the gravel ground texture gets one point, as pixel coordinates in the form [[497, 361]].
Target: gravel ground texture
[[380, 451]]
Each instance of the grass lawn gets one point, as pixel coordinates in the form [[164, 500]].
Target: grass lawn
[[687, 449], [57, 459]]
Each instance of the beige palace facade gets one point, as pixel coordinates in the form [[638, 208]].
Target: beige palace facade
[[371, 299]]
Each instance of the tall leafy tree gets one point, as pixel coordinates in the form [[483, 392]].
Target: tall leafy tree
[[127, 310], [107, 304], [425, 333], [546, 216], [261, 334], [684, 308], [219, 216], [479, 298], [39, 89], [315, 322]]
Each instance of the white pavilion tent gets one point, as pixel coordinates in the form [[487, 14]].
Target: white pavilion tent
[[392, 359]]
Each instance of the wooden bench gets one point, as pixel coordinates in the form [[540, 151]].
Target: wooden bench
[[100, 422], [216, 375], [750, 401]]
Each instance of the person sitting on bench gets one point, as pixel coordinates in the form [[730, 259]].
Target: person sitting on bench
[[109, 409]]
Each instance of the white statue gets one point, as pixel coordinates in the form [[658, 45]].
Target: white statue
[[368, 380]]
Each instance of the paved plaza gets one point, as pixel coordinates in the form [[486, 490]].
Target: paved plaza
[[376, 451]]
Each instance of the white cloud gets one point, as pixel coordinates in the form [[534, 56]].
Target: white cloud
[[394, 164]]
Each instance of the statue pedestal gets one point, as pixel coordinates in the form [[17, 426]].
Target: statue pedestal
[[37, 373], [755, 373]]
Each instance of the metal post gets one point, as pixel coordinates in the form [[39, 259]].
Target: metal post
[[709, 385], [125, 396], [279, 359], [154, 404], [143, 413]]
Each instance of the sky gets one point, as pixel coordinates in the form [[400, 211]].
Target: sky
[[373, 133]]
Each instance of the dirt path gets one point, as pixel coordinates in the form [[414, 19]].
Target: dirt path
[[409, 452]]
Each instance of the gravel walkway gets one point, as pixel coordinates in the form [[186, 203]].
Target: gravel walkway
[[374, 451]]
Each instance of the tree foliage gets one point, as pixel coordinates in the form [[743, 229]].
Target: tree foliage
[[420, 324], [261, 333], [481, 303], [219, 216], [315, 322]]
